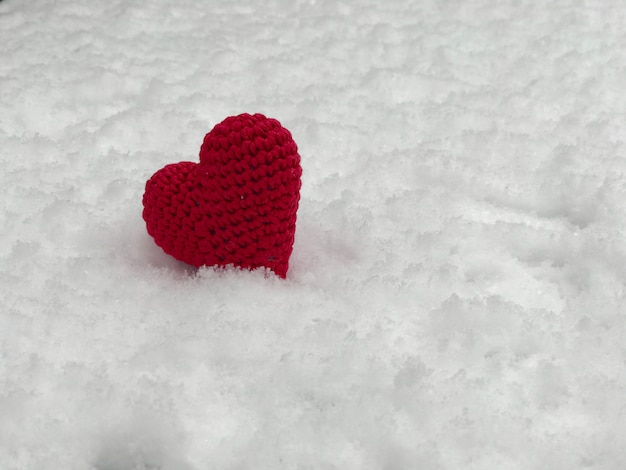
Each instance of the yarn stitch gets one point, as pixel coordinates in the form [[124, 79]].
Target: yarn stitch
[[237, 205]]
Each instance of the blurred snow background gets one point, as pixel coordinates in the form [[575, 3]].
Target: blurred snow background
[[456, 292]]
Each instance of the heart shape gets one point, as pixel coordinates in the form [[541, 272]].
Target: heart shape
[[237, 206]]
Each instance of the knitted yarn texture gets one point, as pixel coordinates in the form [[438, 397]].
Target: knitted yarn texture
[[237, 206]]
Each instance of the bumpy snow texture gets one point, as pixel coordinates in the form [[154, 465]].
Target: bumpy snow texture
[[455, 296]]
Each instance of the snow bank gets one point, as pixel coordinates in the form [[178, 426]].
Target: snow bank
[[456, 291]]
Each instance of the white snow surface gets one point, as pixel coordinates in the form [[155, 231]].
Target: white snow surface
[[456, 292]]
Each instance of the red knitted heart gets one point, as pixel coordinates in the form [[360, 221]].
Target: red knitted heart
[[237, 206]]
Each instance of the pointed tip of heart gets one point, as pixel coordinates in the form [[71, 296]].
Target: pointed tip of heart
[[237, 206]]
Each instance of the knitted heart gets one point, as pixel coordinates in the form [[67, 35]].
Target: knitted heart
[[237, 206]]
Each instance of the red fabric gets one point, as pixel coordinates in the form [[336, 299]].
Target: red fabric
[[237, 206]]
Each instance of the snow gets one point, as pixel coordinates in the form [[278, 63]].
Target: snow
[[456, 292]]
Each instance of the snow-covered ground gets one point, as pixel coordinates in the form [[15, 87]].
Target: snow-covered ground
[[456, 293]]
